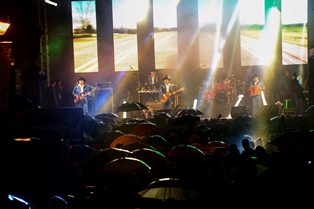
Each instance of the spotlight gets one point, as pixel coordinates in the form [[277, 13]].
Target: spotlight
[[4, 24], [239, 100]]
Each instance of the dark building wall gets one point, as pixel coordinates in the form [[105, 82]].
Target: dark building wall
[[25, 33]]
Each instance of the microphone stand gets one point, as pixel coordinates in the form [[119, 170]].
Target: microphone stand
[[197, 90], [138, 82]]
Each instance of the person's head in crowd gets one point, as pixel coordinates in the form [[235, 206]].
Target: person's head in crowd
[[247, 143]]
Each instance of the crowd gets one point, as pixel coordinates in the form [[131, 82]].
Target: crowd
[[130, 163]]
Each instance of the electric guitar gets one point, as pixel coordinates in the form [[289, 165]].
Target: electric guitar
[[83, 95], [164, 98]]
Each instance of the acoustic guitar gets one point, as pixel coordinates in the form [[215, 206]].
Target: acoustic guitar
[[164, 98], [83, 95]]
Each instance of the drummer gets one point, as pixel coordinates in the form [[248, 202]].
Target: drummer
[[223, 85], [219, 87]]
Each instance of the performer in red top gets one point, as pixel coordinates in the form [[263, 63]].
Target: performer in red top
[[256, 89]]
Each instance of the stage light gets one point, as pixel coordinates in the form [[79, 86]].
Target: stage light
[[239, 100], [51, 3], [27, 139], [124, 114], [4, 24], [17, 202], [194, 104], [263, 98]]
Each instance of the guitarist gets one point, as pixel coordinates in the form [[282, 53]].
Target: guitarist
[[80, 92], [165, 89]]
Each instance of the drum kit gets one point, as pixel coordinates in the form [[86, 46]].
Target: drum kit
[[147, 89], [223, 93], [148, 93]]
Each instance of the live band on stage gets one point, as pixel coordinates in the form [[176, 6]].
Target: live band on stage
[[214, 98], [161, 93]]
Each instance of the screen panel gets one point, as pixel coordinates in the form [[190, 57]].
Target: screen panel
[[210, 37], [252, 21], [84, 36], [165, 33], [294, 32], [126, 15]]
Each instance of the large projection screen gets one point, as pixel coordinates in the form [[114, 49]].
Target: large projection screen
[[84, 36]]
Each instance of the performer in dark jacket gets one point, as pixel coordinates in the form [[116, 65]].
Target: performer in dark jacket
[[80, 92], [165, 93], [297, 95]]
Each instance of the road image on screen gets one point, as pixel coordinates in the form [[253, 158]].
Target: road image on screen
[[126, 15], [210, 37], [84, 36], [259, 32], [294, 32], [165, 33]]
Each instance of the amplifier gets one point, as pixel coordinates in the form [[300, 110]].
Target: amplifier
[[104, 100], [156, 105]]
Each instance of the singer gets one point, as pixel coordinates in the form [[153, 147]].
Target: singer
[[80, 92], [167, 92], [256, 91]]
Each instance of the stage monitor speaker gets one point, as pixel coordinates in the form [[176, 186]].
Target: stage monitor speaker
[[269, 111], [239, 111], [221, 109], [64, 122], [104, 100]]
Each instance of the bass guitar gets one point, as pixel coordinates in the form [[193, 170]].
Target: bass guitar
[[83, 95], [164, 98]]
